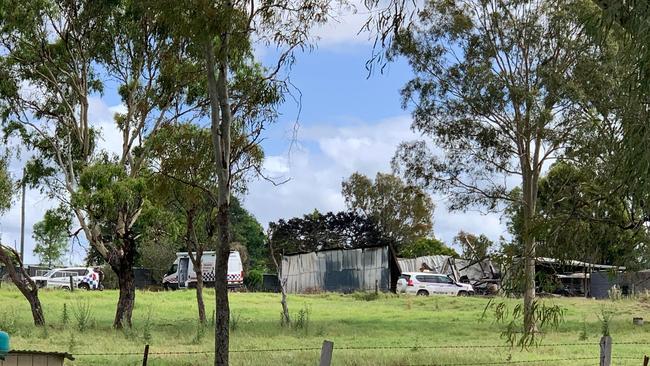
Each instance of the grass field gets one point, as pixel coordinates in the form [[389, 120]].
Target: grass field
[[347, 320]]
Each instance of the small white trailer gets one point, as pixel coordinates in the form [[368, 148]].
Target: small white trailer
[[182, 275]]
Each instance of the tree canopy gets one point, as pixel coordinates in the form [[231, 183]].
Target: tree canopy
[[52, 236], [6, 186], [426, 246], [579, 217], [402, 212], [317, 231]]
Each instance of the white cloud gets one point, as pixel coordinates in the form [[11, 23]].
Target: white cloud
[[345, 27], [326, 155], [101, 116]]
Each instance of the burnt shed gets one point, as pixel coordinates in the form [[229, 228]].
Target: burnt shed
[[341, 270]]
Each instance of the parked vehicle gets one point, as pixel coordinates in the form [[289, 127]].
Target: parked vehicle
[[182, 275], [92, 280], [60, 277], [426, 283]]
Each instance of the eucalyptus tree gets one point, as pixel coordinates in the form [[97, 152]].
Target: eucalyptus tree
[[492, 92], [222, 34], [52, 235], [184, 183], [403, 212], [10, 258], [58, 58]]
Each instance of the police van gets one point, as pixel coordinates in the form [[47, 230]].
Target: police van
[[182, 275]]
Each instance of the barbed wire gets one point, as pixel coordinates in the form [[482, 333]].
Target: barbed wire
[[360, 347], [509, 362]]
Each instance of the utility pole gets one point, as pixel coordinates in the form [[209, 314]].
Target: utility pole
[[22, 220]]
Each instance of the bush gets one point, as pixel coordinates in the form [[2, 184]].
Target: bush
[[253, 280], [110, 278], [8, 322], [366, 295], [82, 312], [301, 319]]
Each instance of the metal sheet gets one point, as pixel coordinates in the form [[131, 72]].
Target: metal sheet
[[343, 270]]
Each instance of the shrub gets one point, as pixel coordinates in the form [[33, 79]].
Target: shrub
[[65, 317], [605, 317], [301, 319], [366, 296], [8, 322], [82, 312], [253, 280], [200, 333], [234, 321], [146, 330]]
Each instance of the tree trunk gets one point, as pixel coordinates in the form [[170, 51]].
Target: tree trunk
[[221, 122], [222, 327], [286, 319], [529, 201], [122, 265], [23, 282], [124, 312], [198, 268], [37, 309]]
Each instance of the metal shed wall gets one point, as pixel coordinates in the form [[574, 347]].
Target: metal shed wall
[[342, 270], [629, 282]]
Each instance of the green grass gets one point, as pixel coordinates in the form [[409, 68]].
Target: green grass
[[347, 320]]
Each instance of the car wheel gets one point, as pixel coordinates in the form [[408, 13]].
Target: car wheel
[[423, 293], [462, 293], [84, 286]]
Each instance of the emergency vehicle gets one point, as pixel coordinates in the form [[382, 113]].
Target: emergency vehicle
[[182, 275]]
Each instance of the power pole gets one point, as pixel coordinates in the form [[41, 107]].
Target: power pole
[[22, 221]]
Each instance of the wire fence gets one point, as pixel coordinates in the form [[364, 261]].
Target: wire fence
[[365, 347], [412, 348]]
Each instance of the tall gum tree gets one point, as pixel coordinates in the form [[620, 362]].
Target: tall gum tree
[[184, 184], [56, 57], [492, 94], [222, 33]]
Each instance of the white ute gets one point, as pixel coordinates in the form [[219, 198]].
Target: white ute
[[427, 283], [182, 275]]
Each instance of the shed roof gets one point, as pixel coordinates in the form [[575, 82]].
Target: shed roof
[[45, 353]]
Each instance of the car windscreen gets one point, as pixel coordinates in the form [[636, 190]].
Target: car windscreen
[[48, 273]]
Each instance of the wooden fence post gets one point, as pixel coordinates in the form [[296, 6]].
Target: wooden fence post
[[146, 355], [646, 359], [326, 353], [606, 351], [71, 284]]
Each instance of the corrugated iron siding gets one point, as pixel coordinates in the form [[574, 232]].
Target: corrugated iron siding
[[345, 270], [628, 282]]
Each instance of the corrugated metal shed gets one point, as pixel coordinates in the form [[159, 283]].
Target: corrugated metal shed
[[340, 270]]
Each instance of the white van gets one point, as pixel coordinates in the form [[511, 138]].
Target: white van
[[60, 277], [181, 274]]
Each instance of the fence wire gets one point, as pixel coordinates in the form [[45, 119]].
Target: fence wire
[[361, 348]]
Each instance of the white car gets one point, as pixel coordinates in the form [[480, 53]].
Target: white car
[[427, 283], [60, 277]]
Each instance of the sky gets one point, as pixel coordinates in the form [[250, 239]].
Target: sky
[[347, 121]]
